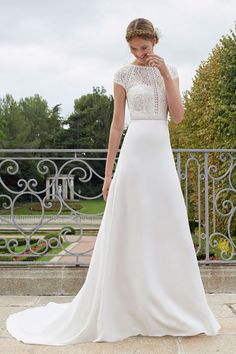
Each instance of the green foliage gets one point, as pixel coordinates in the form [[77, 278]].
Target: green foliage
[[44, 122], [90, 122], [210, 122], [29, 123], [14, 126], [88, 128], [210, 105], [40, 247]]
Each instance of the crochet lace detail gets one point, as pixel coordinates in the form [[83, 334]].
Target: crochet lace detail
[[145, 90]]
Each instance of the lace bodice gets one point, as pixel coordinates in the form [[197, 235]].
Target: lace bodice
[[145, 90]]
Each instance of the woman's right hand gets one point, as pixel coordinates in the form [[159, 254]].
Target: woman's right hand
[[106, 186]]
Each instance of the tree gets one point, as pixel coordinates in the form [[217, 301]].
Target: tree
[[44, 122], [210, 105], [14, 126], [29, 123], [210, 122], [88, 128], [89, 124]]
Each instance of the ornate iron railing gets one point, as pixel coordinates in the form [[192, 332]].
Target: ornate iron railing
[[41, 192]]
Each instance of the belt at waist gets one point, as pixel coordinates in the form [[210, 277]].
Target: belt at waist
[[148, 118]]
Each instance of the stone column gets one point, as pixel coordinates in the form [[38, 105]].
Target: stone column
[[72, 188], [53, 188], [48, 188], [64, 188]]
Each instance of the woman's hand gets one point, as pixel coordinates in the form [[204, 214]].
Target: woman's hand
[[155, 60], [174, 101], [106, 186]]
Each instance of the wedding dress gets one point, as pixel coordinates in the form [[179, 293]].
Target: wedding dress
[[143, 277]]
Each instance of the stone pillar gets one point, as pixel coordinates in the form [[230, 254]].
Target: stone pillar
[[48, 188], [64, 188], [59, 188], [53, 188], [71, 188]]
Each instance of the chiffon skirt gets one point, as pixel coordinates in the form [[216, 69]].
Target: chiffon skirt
[[143, 277]]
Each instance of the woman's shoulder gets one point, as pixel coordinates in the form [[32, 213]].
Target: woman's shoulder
[[120, 74], [123, 69], [173, 70]]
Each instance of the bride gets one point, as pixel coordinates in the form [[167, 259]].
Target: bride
[[143, 277]]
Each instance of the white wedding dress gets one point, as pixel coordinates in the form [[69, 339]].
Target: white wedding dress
[[143, 277]]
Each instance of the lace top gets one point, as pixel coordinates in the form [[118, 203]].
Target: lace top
[[145, 90]]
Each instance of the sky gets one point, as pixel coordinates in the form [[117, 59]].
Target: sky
[[62, 49]]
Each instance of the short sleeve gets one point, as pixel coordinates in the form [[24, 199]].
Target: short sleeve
[[119, 77], [173, 72]]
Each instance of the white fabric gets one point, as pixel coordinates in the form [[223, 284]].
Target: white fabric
[[143, 276], [146, 97]]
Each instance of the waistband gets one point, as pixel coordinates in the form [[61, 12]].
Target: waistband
[[148, 120], [156, 118]]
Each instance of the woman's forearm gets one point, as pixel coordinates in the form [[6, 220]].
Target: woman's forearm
[[175, 105], [113, 145]]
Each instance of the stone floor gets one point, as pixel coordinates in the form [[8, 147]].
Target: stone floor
[[223, 305]]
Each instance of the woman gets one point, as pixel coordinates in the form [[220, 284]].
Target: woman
[[143, 277]]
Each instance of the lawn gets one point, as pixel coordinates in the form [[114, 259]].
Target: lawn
[[92, 206]]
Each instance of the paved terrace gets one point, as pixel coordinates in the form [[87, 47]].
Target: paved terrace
[[223, 305]]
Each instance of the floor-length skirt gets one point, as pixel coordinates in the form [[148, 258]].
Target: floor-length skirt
[[143, 277]]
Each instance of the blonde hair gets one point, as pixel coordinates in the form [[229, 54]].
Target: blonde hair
[[143, 28]]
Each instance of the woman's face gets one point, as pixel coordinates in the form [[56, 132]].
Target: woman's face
[[140, 47]]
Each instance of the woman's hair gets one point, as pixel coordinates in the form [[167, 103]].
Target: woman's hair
[[143, 28]]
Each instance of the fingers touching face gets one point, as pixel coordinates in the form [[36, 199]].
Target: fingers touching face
[[140, 48]]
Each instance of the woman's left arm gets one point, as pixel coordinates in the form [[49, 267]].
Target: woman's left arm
[[174, 102]]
